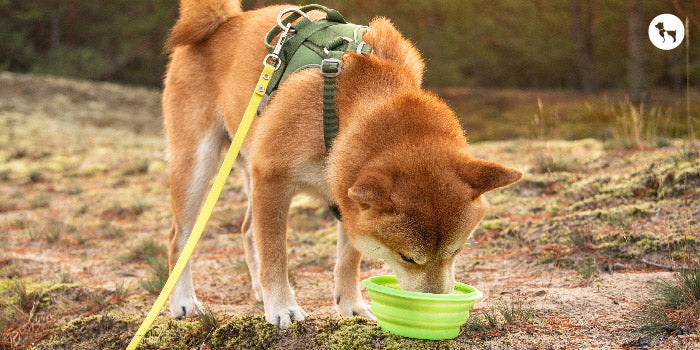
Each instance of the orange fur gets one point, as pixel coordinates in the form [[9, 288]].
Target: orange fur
[[400, 169], [199, 19]]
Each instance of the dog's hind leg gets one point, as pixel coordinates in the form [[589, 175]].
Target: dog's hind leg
[[348, 298], [248, 231], [192, 165]]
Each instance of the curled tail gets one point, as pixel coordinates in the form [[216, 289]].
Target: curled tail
[[199, 19]]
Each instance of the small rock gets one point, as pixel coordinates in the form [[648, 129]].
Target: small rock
[[619, 267], [540, 293], [683, 330], [640, 343]]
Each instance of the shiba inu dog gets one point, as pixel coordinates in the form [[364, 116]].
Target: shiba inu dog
[[400, 170]]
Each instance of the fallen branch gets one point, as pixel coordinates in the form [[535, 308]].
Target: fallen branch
[[666, 267]]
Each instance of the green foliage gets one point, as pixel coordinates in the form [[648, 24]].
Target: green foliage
[[495, 43], [116, 40]]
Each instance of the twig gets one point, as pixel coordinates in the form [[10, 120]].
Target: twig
[[666, 267], [31, 313]]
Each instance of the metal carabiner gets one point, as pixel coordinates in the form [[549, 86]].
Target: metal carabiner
[[283, 12], [283, 36]]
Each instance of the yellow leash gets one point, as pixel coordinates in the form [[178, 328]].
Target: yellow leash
[[213, 196]]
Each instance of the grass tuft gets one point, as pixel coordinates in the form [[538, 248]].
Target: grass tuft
[[22, 298], [549, 163], [208, 320], [121, 291], [65, 277], [675, 307], [97, 300], [160, 272], [145, 250], [500, 316]]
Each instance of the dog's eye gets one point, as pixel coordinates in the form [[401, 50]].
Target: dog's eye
[[406, 259]]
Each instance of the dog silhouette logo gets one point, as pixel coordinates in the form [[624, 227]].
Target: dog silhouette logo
[[666, 31], [663, 31]]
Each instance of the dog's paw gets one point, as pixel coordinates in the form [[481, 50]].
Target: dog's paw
[[354, 308], [282, 315], [185, 307]]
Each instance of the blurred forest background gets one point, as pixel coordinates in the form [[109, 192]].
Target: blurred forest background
[[563, 45]]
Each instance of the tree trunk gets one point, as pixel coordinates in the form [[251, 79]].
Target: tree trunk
[[636, 37], [583, 42]]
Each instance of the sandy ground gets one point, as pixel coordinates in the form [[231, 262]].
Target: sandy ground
[[84, 185]]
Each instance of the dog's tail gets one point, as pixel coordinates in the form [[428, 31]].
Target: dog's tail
[[199, 19]]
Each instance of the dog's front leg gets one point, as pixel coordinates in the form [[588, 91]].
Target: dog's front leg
[[271, 199], [348, 298]]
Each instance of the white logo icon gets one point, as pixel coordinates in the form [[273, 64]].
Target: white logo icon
[[666, 31]]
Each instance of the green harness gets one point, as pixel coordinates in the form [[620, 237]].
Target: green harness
[[318, 44]]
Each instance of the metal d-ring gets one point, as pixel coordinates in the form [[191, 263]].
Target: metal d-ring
[[283, 12], [276, 58]]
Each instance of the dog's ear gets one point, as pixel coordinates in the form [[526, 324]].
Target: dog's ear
[[371, 190], [388, 44], [483, 175]]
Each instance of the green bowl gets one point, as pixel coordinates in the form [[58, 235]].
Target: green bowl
[[419, 315]]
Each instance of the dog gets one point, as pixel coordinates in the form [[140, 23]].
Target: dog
[[400, 170], [662, 32]]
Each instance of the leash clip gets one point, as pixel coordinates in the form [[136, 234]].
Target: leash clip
[[278, 48], [288, 30]]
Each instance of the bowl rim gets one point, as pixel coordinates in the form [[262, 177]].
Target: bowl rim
[[372, 285]]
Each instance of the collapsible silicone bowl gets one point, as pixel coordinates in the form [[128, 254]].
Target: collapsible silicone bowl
[[419, 315]]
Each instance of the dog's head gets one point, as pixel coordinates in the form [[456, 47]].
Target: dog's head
[[660, 26], [417, 220]]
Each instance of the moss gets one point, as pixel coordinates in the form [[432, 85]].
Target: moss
[[173, 334], [108, 331], [112, 331], [495, 224], [40, 294], [672, 243], [92, 169], [253, 332], [246, 332], [358, 333]]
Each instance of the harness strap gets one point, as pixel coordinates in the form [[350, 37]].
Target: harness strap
[[330, 68], [315, 43]]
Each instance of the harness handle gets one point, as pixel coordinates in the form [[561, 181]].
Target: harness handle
[[296, 13]]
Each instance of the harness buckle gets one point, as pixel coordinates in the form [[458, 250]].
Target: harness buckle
[[330, 67]]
